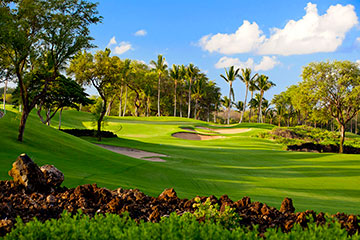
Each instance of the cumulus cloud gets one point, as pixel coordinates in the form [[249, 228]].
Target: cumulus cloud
[[358, 62], [311, 34], [140, 33], [266, 63], [112, 41], [245, 39], [122, 48], [358, 39]]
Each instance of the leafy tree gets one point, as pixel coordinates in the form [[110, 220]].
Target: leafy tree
[[335, 87], [246, 78], [199, 92], [230, 78], [125, 73], [100, 71], [263, 85], [64, 92], [39, 37], [160, 68], [239, 106]]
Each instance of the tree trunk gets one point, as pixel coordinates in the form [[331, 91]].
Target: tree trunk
[[189, 104], [244, 108], [24, 117], [342, 138], [5, 88], [180, 110], [158, 100], [48, 117], [103, 111], [126, 94], [80, 106], [196, 103], [208, 114], [60, 115], [356, 124], [250, 113], [228, 117], [279, 124], [260, 114], [175, 99], [147, 106], [120, 100]]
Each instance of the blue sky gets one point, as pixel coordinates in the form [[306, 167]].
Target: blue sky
[[275, 38]]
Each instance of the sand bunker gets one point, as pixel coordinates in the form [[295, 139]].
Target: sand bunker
[[226, 130], [194, 136], [135, 153]]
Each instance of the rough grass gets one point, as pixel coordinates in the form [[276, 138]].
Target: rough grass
[[238, 165]]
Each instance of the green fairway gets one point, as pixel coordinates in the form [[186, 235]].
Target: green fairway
[[237, 164]]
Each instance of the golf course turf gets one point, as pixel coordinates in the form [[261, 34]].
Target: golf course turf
[[236, 164]]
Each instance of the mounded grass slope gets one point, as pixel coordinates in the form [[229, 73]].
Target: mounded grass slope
[[236, 165]]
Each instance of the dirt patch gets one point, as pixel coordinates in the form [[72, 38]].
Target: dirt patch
[[135, 153], [226, 130], [194, 136]]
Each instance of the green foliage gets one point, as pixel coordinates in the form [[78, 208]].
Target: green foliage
[[309, 134], [210, 212], [187, 226]]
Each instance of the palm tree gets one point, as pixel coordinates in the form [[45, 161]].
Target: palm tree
[[191, 72], [200, 92], [247, 79], [229, 78], [263, 85], [252, 88], [175, 75], [160, 68], [239, 106]]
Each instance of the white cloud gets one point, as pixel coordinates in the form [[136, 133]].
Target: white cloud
[[266, 63], [141, 33], [122, 48], [358, 62], [245, 39], [112, 41], [358, 39], [310, 34]]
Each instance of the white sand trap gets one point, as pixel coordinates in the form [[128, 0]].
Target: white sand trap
[[232, 130], [194, 136], [226, 130], [135, 153]]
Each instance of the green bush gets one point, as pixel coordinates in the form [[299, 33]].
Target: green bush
[[187, 226]]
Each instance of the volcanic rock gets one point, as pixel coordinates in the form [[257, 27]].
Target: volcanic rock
[[54, 177], [25, 172], [287, 206]]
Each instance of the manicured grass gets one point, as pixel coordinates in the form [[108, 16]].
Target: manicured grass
[[238, 165]]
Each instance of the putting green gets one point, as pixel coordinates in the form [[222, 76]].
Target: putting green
[[237, 164]]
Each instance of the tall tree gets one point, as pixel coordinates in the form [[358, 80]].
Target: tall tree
[[246, 78], [160, 68], [191, 73], [335, 86], [125, 73], [98, 71], [263, 85], [175, 74], [252, 88], [230, 78], [41, 35]]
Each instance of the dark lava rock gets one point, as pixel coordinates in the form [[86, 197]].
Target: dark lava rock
[[287, 206], [319, 148], [285, 133], [25, 172], [54, 177]]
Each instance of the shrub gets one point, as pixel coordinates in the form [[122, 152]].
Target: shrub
[[89, 133]]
